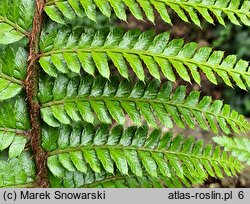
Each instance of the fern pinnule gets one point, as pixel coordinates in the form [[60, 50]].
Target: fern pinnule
[[12, 73], [14, 126], [16, 18]]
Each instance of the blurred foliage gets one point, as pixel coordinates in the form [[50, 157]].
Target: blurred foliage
[[239, 100], [235, 39], [101, 22]]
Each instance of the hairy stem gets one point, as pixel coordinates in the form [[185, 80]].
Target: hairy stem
[[31, 84]]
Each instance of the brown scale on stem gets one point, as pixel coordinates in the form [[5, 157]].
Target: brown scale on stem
[[31, 84]]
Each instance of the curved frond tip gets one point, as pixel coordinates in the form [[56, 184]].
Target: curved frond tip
[[236, 11], [73, 50]]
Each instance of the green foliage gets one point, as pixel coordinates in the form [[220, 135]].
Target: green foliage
[[17, 172], [15, 142], [13, 66], [16, 17], [86, 111], [14, 122], [103, 179], [133, 151], [14, 114], [63, 10], [240, 147], [65, 100], [230, 40], [68, 50], [240, 102]]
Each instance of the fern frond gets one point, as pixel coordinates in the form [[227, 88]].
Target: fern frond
[[71, 50], [15, 142], [240, 147], [14, 126], [90, 179], [133, 149], [63, 10], [17, 172], [13, 67], [82, 99], [16, 17]]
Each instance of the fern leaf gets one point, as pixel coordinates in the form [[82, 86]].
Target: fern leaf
[[14, 126], [16, 17], [15, 142], [236, 11], [133, 149], [85, 99], [13, 66], [240, 147], [72, 50], [17, 172], [14, 120], [91, 179]]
